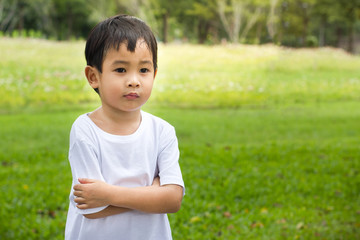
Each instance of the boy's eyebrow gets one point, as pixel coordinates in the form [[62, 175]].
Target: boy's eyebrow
[[146, 62], [127, 62], [120, 62]]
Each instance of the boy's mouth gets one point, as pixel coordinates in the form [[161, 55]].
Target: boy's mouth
[[131, 96]]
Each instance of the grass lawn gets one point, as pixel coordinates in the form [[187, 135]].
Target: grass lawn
[[38, 72], [277, 173], [269, 138]]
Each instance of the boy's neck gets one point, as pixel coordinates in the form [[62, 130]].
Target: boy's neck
[[117, 123]]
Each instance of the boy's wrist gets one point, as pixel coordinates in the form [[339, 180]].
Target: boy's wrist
[[113, 194]]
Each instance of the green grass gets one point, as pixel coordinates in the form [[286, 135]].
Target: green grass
[[271, 173], [280, 161], [235, 76], [279, 173], [38, 72]]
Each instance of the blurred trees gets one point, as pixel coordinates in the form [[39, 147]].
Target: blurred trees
[[294, 23]]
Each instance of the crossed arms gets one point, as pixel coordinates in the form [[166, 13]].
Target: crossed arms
[[92, 193]]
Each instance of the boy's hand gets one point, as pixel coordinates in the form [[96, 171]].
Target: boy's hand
[[91, 193]]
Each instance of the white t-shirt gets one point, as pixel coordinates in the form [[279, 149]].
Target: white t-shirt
[[129, 161]]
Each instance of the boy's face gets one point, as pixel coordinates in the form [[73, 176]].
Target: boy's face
[[127, 78]]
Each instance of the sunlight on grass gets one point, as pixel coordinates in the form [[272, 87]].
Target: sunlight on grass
[[251, 75], [39, 72]]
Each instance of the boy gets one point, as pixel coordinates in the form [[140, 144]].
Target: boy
[[124, 161]]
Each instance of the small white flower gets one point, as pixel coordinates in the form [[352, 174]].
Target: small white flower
[[48, 89], [250, 88]]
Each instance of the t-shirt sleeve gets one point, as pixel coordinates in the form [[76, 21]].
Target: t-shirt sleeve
[[168, 160], [84, 164]]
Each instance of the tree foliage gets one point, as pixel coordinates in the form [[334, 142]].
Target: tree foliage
[[287, 22]]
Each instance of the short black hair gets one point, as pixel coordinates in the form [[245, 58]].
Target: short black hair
[[114, 31]]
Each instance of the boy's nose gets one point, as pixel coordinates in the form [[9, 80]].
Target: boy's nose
[[134, 85], [133, 82]]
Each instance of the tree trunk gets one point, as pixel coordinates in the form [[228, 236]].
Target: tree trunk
[[338, 36], [322, 28], [69, 30], [165, 27], [233, 24], [351, 35], [7, 22], [270, 23], [305, 31], [203, 30], [250, 23], [21, 18], [258, 33]]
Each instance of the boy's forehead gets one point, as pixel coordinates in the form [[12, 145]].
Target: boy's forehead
[[141, 51], [123, 47]]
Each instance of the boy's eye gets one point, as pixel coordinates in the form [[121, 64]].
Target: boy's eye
[[144, 70], [120, 70]]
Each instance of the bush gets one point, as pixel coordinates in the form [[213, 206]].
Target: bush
[[312, 41]]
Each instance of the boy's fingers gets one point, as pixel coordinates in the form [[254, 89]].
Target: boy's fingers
[[79, 200], [85, 180], [77, 193], [77, 187], [82, 206]]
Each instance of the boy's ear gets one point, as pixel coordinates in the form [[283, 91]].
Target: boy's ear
[[92, 75], [155, 73]]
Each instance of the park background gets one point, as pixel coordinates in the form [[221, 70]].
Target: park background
[[264, 96]]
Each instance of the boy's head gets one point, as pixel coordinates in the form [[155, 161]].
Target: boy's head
[[112, 32]]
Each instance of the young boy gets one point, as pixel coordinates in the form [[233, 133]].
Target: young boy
[[124, 161]]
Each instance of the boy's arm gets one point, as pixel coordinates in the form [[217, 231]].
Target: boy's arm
[[163, 199], [84, 162], [109, 211], [112, 210], [150, 199]]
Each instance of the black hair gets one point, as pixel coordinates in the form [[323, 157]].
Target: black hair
[[112, 32]]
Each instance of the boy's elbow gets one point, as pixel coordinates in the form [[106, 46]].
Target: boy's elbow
[[177, 200], [176, 207], [91, 216]]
